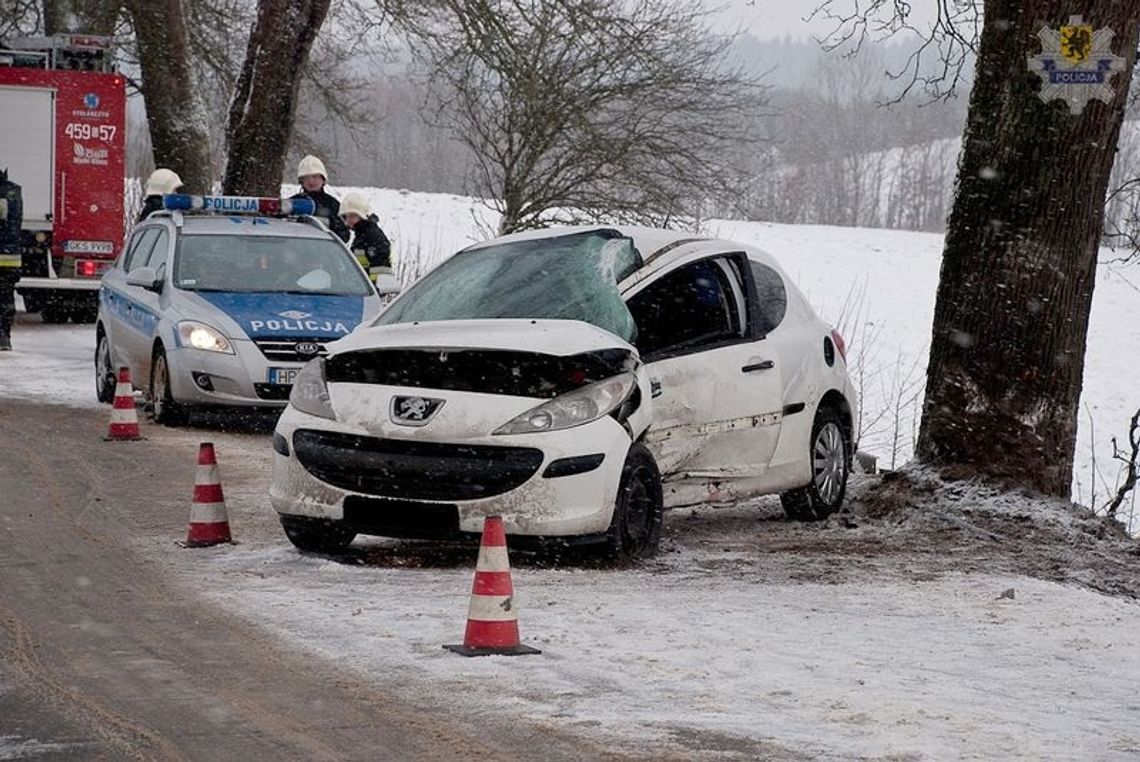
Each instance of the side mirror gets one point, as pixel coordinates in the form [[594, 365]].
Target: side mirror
[[387, 284], [144, 277]]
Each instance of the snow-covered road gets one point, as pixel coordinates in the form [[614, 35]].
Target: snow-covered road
[[720, 648]]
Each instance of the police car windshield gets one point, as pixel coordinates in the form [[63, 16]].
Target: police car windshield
[[570, 277], [266, 264]]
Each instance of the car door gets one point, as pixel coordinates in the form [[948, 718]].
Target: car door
[[141, 314], [716, 383], [116, 296]]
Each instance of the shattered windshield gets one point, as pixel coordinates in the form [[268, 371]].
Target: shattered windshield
[[266, 264], [572, 277]]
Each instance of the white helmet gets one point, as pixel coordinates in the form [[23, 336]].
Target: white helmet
[[311, 165], [355, 203], [162, 181]]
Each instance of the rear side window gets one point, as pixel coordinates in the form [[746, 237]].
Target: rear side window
[[771, 296]]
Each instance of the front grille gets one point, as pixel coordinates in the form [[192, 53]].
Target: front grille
[[414, 470], [285, 350], [518, 374], [272, 392], [401, 518]]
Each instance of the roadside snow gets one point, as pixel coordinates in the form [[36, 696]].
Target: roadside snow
[[677, 654]]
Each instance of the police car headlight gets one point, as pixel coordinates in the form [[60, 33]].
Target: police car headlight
[[575, 408], [202, 336], [310, 391]]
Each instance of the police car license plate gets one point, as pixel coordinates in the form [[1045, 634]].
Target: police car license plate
[[282, 375]]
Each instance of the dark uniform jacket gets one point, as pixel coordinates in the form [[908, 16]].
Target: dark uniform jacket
[[328, 210], [12, 199], [370, 240], [152, 204]]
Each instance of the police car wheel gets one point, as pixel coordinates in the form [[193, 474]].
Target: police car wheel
[[164, 409], [104, 373]]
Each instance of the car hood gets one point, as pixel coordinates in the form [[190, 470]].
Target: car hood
[[310, 316], [560, 338]]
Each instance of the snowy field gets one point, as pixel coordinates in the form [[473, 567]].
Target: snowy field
[[722, 647]]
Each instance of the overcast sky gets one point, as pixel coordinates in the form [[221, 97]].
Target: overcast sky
[[776, 18]]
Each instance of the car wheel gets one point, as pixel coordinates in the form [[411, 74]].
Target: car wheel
[[164, 409], [830, 456], [105, 379], [317, 535], [636, 527]]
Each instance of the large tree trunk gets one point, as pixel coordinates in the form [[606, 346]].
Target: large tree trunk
[[261, 115], [1007, 353], [175, 111]]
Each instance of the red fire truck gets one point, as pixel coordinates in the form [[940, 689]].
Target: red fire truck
[[62, 138]]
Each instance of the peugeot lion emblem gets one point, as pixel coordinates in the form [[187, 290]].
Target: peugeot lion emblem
[[414, 411]]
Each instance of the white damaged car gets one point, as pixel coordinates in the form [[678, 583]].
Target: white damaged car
[[573, 381]]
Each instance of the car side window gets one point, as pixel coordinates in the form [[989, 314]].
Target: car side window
[[693, 307], [140, 249], [157, 259], [771, 297]]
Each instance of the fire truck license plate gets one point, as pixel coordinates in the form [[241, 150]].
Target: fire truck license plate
[[282, 375]]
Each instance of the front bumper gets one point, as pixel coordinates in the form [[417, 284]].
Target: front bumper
[[240, 379], [414, 486]]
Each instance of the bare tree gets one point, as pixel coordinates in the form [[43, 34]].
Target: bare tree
[[592, 108], [175, 111], [1131, 460], [260, 124]]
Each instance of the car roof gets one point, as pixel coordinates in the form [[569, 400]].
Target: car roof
[[215, 224], [658, 246]]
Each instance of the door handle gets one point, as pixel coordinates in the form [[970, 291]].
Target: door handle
[[766, 365]]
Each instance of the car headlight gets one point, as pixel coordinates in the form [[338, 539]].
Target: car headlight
[[201, 336], [310, 392], [574, 408]]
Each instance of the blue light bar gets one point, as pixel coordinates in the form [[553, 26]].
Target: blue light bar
[[238, 204]]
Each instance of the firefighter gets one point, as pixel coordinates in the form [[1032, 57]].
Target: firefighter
[[369, 243], [312, 176], [160, 182], [11, 220]]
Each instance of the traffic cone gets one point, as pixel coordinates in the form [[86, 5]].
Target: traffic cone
[[209, 524], [124, 419], [492, 625]]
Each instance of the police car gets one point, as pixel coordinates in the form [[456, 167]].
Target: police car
[[573, 381], [221, 300]]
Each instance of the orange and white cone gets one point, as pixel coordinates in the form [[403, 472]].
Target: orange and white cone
[[124, 419], [492, 624], [209, 524]]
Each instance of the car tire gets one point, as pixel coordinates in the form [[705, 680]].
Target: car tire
[[317, 535], [163, 407], [105, 377], [830, 456], [636, 527]]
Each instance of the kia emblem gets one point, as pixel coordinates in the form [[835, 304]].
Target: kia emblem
[[307, 348]]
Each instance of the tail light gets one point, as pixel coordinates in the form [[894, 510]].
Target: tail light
[[86, 268], [840, 344]]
